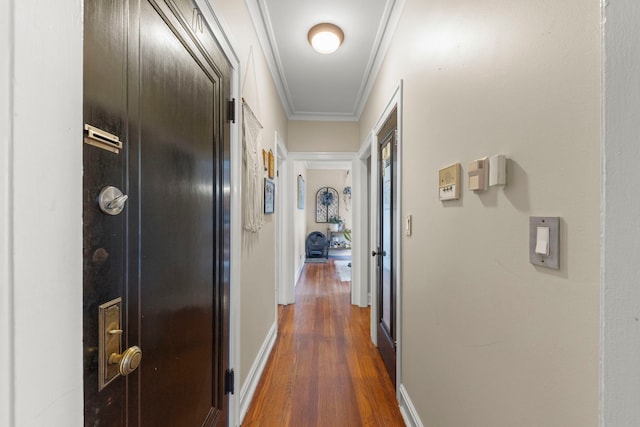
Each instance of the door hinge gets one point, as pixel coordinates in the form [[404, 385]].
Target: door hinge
[[231, 116], [229, 382]]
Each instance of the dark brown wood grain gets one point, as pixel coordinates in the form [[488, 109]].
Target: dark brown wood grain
[[324, 370], [162, 86]]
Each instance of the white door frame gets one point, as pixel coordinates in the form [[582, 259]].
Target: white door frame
[[394, 103], [284, 248], [223, 36], [358, 291]]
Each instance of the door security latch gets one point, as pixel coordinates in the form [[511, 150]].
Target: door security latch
[[111, 200]]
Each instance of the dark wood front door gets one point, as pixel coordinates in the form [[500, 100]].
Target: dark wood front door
[[387, 245], [156, 78]]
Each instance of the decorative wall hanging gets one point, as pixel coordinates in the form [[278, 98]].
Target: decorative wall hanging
[[327, 200], [253, 195], [300, 192], [346, 191], [269, 196], [346, 196]]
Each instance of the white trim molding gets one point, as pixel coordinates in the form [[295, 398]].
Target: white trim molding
[[262, 25], [259, 13], [407, 410], [358, 295], [619, 234], [224, 37], [42, 188], [298, 273], [284, 249], [392, 14], [395, 102], [256, 371], [6, 217]]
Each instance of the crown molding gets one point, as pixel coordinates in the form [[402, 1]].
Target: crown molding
[[264, 31], [262, 23]]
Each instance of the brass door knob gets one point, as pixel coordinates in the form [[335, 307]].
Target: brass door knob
[[128, 361]]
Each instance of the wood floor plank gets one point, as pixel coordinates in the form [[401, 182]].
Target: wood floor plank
[[323, 370]]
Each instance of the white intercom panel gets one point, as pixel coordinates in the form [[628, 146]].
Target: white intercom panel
[[449, 182]]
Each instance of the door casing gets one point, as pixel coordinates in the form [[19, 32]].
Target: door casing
[[386, 245], [395, 102], [358, 282]]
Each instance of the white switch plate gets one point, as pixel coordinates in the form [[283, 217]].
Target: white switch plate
[[553, 259]]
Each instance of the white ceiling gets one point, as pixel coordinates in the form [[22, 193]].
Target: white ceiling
[[313, 86]]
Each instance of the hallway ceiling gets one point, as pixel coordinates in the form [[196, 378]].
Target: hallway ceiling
[[313, 86]]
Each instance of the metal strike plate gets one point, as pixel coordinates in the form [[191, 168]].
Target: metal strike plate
[[110, 340], [553, 259], [102, 139]]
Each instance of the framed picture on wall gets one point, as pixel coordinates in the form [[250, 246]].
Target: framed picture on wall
[[300, 192], [269, 196], [265, 159], [272, 167]]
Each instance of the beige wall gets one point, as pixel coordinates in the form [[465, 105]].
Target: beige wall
[[257, 295], [488, 339], [308, 136], [317, 179]]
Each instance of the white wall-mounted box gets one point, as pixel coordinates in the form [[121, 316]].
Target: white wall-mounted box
[[497, 170]]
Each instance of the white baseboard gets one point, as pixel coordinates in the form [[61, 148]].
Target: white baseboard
[[298, 274], [407, 409], [249, 386]]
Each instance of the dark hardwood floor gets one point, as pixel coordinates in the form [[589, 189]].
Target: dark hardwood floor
[[324, 370]]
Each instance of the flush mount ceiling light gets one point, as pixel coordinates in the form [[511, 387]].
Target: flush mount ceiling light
[[325, 37]]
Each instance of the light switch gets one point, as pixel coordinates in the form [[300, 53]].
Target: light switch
[[407, 225], [542, 241]]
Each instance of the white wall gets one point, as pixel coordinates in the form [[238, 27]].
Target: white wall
[[489, 339], [41, 199], [620, 216]]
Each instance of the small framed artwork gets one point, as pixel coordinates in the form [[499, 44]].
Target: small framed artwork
[[272, 165], [269, 196], [300, 192]]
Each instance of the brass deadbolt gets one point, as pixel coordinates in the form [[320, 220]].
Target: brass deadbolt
[[128, 361]]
